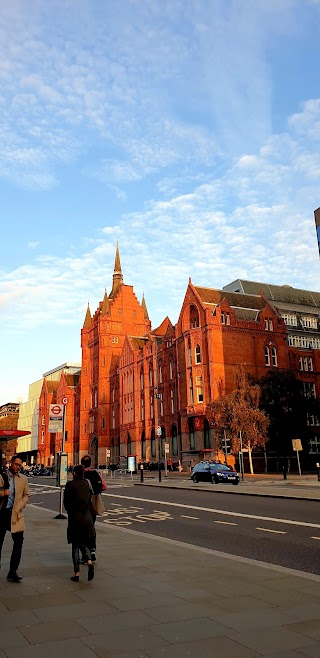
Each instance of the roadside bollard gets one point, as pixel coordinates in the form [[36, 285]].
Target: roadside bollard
[[141, 472]]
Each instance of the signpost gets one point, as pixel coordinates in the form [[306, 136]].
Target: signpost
[[159, 434], [297, 446], [57, 420]]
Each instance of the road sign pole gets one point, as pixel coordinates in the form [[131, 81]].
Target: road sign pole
[[61, 515], [225, 446], [159, 435], [298, 460]]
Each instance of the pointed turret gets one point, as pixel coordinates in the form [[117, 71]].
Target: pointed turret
[[144, 308], [87, 320], [117, 274], [105, 308]]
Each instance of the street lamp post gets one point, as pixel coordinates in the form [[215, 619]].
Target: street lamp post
[[241, 453]]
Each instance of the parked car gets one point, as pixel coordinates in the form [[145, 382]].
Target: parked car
[[214, 472]]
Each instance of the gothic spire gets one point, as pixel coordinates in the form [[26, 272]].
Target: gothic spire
[[105, 308], [144, 307], [117, 274], [87, 320]]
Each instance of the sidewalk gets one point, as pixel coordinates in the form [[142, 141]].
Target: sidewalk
[[308, 488], [151, 598]]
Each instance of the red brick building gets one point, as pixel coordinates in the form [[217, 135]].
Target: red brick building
[[135, 379]]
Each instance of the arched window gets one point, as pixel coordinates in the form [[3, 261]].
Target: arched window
[[198, 354], [160, 372], [151, 376], [171, 368], [153, 443], [172, 400], [174, 438], [189, 354], [267, 355], [128, 444], [191, 396], [141, 380], [206, 434], [192, 442], [151, 406], [95, 397], [194, 317], [143, 445], [274, 356]]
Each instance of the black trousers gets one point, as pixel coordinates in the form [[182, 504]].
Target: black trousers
[[85, 552], [17, 538]]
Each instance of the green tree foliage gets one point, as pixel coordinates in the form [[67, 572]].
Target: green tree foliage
[[284, 402]]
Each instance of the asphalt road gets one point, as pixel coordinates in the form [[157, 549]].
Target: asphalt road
[[278, 531]]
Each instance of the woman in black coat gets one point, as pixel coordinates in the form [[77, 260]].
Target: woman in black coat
[[80, 532]]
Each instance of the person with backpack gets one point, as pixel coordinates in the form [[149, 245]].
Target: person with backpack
[[98, 485]]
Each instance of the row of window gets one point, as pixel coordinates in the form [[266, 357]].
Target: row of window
[[304, 341], [306, 363], [306, 321]]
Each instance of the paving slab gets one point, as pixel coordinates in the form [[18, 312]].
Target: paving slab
[[52, 631], [72, 648], [152, 598], [220, 646], [132, 639]]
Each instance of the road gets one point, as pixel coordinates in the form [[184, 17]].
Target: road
[[285, 532]]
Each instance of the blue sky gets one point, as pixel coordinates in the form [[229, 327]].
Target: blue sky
[[188, 131]]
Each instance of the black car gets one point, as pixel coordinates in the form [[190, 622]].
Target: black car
[[215, 473]]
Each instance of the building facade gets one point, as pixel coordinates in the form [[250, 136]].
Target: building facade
[[141, 388]]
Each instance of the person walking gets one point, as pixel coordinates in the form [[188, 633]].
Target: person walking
[[11, 513], [80, 531], [98, 485]]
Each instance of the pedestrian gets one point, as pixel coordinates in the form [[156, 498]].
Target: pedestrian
[[11, 514], [169, 464], [80, 531], [98, 485]]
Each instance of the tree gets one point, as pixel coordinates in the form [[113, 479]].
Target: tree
[[239, 414], [284, 401]]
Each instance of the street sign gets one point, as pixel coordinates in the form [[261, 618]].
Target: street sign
[[55, 418], [131, 463], [158, 431], [65, 400], [167, 448], [108, 453], [296, 445], [56, 410]]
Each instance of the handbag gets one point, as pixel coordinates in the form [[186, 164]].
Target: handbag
[[97, 504]]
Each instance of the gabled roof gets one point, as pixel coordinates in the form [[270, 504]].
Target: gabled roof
[[137, 343], [72, 379], [212, 296], [52, 385], [163, 327], [274, 293]]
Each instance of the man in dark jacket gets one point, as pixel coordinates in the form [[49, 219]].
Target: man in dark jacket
[[97, 485], [80, 532]]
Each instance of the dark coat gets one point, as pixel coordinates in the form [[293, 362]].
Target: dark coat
[[77, 502]]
